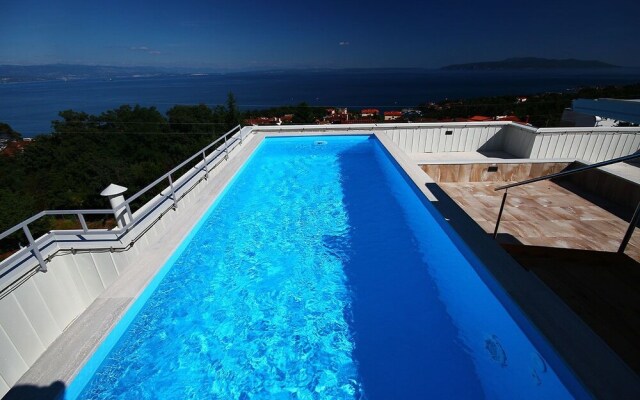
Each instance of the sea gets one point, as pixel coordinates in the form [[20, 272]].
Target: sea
[[29, 107]]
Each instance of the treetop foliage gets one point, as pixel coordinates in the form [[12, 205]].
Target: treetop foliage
[[129, 145]]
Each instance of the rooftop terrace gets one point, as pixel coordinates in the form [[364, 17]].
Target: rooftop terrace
[[94, 275]]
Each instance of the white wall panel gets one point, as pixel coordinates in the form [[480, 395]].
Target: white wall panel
[[38, 312], [428, 142], [591, 146], [568, 145], [456, 142], [63, 270], [560, 146], [598, 147], [89, 275], [535, 150], [465, 144], [482, 134], [611, 147], [448, 141], [57, 298], [582, 146], [620, 146], [19, 330], [4, 388], [106, 268], [636, 144], [441, 140], [423, 140], [12, 366], [81, 285], [629, 144]]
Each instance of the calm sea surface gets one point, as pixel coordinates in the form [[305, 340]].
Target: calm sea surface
[[30, 107]]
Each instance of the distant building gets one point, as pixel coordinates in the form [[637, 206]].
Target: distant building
[[335, 116], [263, 121], [512, 118], [13, 147], [392, 115], [369, 112], [601, 112], [480, 118]]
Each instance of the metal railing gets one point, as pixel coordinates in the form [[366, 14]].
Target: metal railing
[[634, 218], [223, 148], [223, 145]]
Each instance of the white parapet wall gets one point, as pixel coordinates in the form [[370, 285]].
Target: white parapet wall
[[587, 144], [36, 307], [419, 137]]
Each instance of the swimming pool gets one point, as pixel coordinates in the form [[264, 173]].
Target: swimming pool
[[320, 273]]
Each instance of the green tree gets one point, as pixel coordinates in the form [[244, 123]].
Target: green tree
[[74, 122], [6, 132], [194, 119], [303, 114], [233, 115], [126, 119]]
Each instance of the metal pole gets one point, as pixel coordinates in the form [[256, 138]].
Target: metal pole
[[173, 193], [85, 229], [129, 212], [34, 249], [226, 149], [504, 199], [632, 226], [204, 165]]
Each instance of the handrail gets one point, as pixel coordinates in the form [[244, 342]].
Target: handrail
[[182, 164], [168, 176], [632, 223], [570, 172], [41, 214], [206, 160]]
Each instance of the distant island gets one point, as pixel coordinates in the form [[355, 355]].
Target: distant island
[[68, 72], [72, 72], [528, 63]]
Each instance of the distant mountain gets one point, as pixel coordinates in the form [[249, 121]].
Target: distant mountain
[[529, 63], [30, 73]]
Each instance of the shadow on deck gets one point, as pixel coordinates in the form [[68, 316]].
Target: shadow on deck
[[601, 287]]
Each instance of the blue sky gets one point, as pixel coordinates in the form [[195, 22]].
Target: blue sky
[[240, 35]]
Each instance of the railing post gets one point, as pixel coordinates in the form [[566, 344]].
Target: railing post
[[504, 199], [34, 249], [129, 213], [173, 193], [632, 226], [83, 223], [226, 149], [204, 165]]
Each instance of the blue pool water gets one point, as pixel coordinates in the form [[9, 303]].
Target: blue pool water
[[320, 274]]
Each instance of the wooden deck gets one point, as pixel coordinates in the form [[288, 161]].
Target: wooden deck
[[569, 239]]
